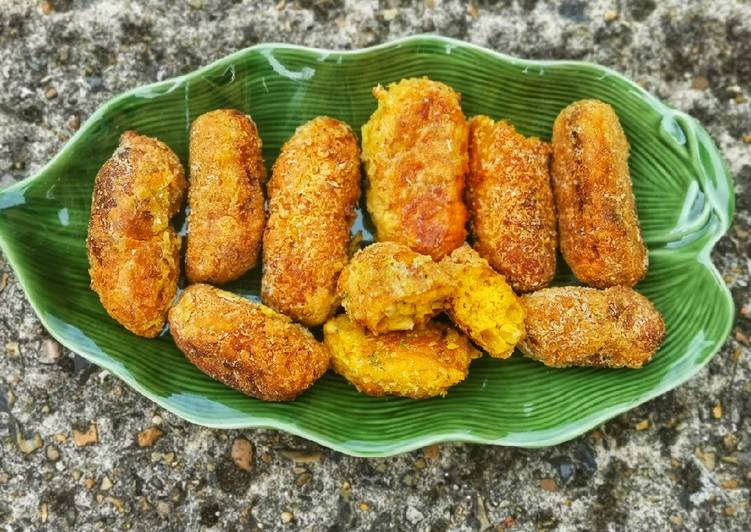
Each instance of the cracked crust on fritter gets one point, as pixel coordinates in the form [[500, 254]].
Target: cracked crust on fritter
[[483, 305], [388, 287]]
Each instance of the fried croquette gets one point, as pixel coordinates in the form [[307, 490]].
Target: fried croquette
[[225, 224], [133, 251], [510, 203], [388, 287], [245, 345], [313, 190], [578, 326], [599, 230], [415, 152], [418, 364], [483, 305]]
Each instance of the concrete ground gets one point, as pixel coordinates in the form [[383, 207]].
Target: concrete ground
[[680, 462]]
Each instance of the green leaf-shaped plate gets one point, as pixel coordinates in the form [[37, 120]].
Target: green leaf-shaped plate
[[684, 195]]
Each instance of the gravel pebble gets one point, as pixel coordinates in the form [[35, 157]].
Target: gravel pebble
[[28, 445], [52, 452], [242, 454], [414, 515], [49, 353], [149, 436], [89, 436], [548, 484]]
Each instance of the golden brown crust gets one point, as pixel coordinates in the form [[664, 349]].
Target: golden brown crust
[[418, 364], [415, 154], [313, 190], [510, 203], [226, 220], [134, 253], [388, 287], [245, 345], [578, 326], [597, 221], [483, 305]]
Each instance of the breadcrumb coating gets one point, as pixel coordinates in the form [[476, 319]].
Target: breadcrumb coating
[[314, 187], [579, 326], [133, 251], [225, 224], [415, 152], [388, 287], [597, 220], [245, 345], [421, 363], [483, 305], [510, 203]]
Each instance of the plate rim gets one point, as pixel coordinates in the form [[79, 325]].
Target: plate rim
[[360, 448]]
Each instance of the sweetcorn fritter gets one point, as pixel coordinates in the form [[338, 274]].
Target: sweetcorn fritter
[[421, 363], [245, 345], [225, 224], [580, 326], [414, 147], [483, 305], [313, 190], [510, 203], [133, 251], [599, 229], [388, 287]]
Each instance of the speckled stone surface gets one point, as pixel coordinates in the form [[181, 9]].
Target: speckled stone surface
[[680, 462]]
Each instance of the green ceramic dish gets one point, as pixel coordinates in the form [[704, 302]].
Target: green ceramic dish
[[685, 201]]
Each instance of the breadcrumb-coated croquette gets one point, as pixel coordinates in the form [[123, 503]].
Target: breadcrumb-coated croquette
[[133, 251], [225, 224], [313, 190], [415, 152], [245, 345], [483, 305], [510, 203], [421, 363], [597, 221], [579, 326], [388, 287]]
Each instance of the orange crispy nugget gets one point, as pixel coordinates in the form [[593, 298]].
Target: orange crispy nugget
[[225, 225], [133, 251], [415, 152], [245, 345], [578, 326], [388, 287], [421, 363], [510, 203], [313, 190], [599, 229], [483, 305]]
